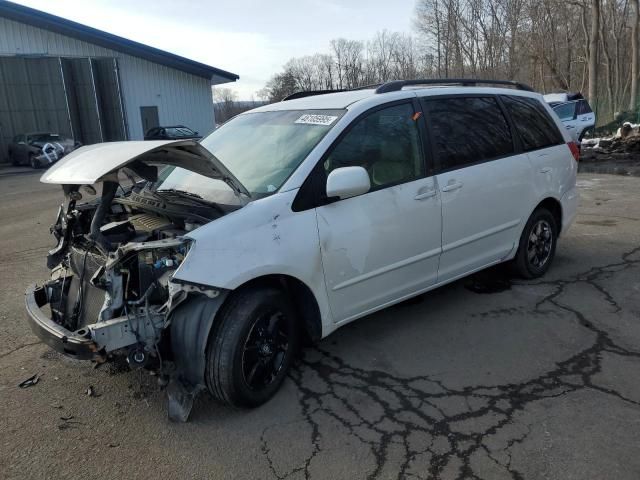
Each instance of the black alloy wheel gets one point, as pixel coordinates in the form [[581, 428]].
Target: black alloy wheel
[[264, 350], [251, 346], [537, 245]]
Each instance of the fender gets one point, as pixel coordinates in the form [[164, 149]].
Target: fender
[[265, 237]]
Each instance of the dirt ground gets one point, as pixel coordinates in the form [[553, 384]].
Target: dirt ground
[[484, 378]]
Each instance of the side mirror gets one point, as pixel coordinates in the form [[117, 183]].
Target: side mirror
[[348, 182]]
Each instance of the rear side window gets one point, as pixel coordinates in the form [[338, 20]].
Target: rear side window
[[532, 122], [583, 107], [467, 130]]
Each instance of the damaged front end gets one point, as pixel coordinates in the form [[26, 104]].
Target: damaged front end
[[110, 288]]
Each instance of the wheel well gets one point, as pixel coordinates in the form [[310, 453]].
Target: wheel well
[[301, 297], [555, 208]]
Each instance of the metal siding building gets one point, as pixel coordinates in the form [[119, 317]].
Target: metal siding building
[[61, 76]]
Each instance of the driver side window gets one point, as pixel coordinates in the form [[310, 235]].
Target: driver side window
[[386, 143]]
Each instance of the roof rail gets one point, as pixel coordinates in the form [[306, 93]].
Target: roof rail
[[308, 93], [396, 85]]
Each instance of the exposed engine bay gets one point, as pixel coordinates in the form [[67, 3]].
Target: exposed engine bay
[[113, 264]]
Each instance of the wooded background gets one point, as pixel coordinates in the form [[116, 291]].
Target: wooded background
[[588, 46]]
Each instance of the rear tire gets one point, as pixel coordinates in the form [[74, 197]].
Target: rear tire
[[251, 349], [13, 159], [537, 246]]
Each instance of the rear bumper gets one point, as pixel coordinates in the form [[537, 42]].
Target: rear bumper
[[569, 202], [56, 336]]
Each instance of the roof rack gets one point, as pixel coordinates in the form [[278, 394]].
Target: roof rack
[[396, 85], [309, 93]]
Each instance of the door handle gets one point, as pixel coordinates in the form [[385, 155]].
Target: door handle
[[451, 186], [427, 194], [545, 170]]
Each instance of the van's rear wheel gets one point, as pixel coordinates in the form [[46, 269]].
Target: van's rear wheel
[[537, 244], [252, 347]]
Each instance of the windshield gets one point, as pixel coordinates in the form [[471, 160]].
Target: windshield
[[260, 149]]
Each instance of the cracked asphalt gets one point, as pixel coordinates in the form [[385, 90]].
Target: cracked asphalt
[[485, 378]]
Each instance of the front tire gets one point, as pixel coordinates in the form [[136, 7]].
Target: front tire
[[537, 245], [251, 349], [33, 162]]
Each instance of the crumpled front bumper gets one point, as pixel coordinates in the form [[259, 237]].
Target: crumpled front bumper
[[64, 341]]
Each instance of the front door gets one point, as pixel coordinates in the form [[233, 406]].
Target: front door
[[382, 246], [486, 187], [149, 117]]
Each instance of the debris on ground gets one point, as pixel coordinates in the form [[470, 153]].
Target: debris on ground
[[29, 382], [91, 392], [618, 155], [68, 422], [628, 144]]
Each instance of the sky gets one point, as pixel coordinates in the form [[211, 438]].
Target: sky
[[252, 38]]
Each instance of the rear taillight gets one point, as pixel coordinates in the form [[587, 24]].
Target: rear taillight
[[575, 150]]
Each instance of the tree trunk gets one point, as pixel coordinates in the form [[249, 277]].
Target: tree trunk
[[593, 54], [635, 21]]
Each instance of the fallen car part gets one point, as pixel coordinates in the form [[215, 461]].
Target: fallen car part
[[29, 382]]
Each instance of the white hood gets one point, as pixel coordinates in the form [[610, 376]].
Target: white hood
[[90, 164]]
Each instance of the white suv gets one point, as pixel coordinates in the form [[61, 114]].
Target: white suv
[[574, 112], [292, 220]]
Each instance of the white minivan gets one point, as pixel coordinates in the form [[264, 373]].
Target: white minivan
[[210, 261]]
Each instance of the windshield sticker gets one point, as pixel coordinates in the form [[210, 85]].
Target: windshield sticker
[[316, 119]]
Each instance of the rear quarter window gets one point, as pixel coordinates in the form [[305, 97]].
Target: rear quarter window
[[533, 124], [583, 107]]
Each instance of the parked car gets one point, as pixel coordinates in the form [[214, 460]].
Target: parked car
[[176, 132], [292, 220], [39, 149], [575, 113]]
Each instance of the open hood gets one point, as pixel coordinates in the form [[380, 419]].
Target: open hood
[[90, 164]]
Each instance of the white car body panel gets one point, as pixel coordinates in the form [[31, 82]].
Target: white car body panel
[[265, 237], [380, 246], [479, 226], [579, 124]]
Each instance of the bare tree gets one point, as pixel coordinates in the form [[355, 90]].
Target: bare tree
[[593, 53], [635, 40], [553, 45]]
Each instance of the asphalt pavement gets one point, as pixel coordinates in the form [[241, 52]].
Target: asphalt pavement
[[486, 378]]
